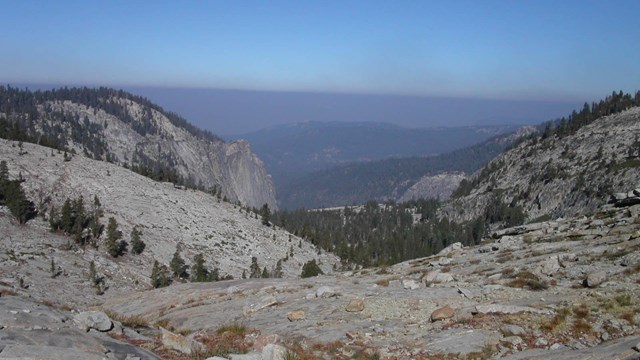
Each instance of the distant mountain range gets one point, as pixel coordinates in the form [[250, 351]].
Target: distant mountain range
[[291, 152]]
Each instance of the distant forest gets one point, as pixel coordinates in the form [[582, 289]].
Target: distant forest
[[384, 179]]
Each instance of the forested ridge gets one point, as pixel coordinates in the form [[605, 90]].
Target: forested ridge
[[29, 116]]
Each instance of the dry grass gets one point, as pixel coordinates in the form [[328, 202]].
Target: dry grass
[[132, 321], [633, 269], [628, 316], [581, 311], [557, 321], [580, 327], [7, 292], [526, 279], [234, 328]]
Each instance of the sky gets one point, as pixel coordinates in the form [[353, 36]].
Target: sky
[[567, 51]]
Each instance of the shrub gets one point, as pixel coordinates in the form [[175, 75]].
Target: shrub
[[311, 268]]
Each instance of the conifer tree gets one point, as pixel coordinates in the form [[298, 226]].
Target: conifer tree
[[254, 270], [115, 246], [178, 266], [137, 245], [159, 275], [199, 272]]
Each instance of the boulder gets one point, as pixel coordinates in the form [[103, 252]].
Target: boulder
[[437, 277], [180, 343], [355, 305], [594, 279], [510, 330], [263, 340], [550, 266], [451, 248], [274, 352], [325, 292], [410, 284], [96, 320], [446, 312], [296, 315]]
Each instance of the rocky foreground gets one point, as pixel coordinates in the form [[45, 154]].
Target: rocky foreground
[[562, 289]]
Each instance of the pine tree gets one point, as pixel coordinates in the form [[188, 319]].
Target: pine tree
[[278, 272], [159, 275], [137, 245], [265, 273], [310, 269], [199, 272], [265, 213], [254, 270], [178, 266], [115, 246]]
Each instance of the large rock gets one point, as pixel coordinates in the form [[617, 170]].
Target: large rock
[[594, 279], [446, 312], [355, 305], [274, 352], [325, 292], [437, 277], [96, 320], [550, 266], [180, 343], [296, 315], [451, 248], [410, 284]]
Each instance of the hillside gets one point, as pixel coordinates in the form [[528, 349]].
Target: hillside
[[128, 130], [387, 179], [293, 151], [228, 236], [560, 174]]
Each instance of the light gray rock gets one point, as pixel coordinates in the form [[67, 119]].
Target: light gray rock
[[511, 329], [410, 284], [325, 292], [96, 320], [550, 266], [181, 343], [595, 279], [437, 277], [249, 356], [355, 305], [508, 309], [273, 352], [451, 248]]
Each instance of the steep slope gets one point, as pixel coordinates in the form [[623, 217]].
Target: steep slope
[[294, 150], [560, 176], [225, 234], [122, 128]]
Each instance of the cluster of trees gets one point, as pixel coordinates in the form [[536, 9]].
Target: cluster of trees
[[12, 195], [77, 221], [376, 234], [162, 276], [383, 234]]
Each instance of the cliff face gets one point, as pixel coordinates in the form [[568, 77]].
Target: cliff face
[[119, 127], [560, 176]]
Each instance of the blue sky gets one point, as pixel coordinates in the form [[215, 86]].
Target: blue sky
[[518, 49]]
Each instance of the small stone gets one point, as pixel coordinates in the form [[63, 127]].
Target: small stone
[[557, 346], [446, 312], [541, 342], [637, 347], [296, 315], [355, 305]]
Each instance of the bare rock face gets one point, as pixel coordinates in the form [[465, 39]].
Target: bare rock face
[[439, 186], [560, 177], [143, 135]]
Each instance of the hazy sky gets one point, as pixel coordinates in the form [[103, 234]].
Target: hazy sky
[[512, 49]]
